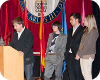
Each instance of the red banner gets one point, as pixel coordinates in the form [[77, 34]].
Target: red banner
[[7, 30], [15, 10]]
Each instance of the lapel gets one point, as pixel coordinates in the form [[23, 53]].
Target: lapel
[[51, 37], [77, 30], [16, 36], [22, 35], [70, 31], [58, 40]]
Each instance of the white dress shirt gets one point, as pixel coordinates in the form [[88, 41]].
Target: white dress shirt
[[19, 34]]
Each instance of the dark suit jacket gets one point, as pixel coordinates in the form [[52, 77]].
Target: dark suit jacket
[[73, 42], [24, 44]]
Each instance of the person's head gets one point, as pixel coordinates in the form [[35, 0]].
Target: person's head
[[75, 19], [18, 24], [56, 26], [90, 22]]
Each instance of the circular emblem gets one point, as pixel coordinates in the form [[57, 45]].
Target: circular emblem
[[51, 9]]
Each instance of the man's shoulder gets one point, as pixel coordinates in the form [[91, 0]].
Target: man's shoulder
[[51, 34], [28, 31], [82, 27], [15, 33], [63, 35], [70, 28]]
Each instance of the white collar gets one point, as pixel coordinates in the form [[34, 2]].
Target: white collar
[[21, 31], [76, 27], [19, 34]]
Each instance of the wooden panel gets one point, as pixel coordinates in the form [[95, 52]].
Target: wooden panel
[[13, 64], [1, 61]]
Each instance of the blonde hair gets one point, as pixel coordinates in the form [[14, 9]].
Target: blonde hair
[[91, 25], [91, 22]]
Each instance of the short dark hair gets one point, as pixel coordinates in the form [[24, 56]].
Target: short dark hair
[[58, 24], [76, 16], [18, 20]]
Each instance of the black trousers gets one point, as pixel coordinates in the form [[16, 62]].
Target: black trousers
[[66, 74], [73, 67]]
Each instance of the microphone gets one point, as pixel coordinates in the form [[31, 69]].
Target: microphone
[[6, 36], [1, 41]]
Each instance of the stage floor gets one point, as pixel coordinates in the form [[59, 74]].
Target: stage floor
[[36, 79]]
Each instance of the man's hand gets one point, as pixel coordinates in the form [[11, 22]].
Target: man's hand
[[21, 53], [77, 57]]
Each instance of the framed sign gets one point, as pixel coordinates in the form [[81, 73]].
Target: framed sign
[[51, 9]]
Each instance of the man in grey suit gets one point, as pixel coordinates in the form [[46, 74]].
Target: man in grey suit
[[55, 52]]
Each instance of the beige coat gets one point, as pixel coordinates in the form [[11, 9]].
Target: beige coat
[[89, 45]]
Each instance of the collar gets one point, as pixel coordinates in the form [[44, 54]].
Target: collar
[[74, 28], [21, 31]]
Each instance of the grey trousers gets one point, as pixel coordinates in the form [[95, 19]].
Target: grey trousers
[[49, 69]]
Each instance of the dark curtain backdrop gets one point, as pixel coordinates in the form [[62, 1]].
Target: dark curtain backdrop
[[14, 10], [96, 63]]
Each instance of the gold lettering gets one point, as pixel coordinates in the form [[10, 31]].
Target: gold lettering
[[28, 13], [30, 17], [60, 6], [37, 19], [49, 17], [22, 9], [45, 19], [54, 14], [21, 3], [34, 18], [61, 1]]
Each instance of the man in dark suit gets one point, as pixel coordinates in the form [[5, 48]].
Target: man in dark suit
[[23, 41], [73, 41]]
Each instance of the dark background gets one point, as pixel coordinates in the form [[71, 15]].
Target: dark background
[[96, 63]]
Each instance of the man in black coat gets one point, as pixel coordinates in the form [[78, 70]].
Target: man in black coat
[[22, 41], [73, 41]]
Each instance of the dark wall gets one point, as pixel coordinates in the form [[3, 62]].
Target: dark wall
[[96, 63]]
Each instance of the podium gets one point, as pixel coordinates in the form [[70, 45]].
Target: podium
[[11, 64]]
